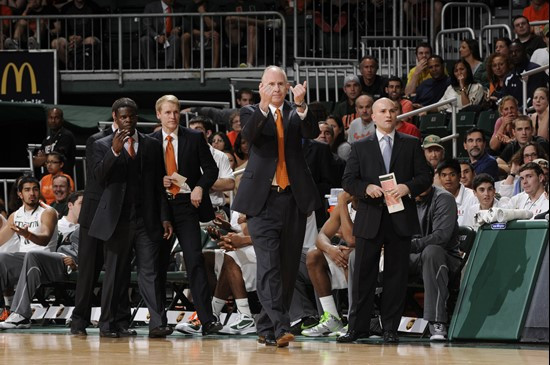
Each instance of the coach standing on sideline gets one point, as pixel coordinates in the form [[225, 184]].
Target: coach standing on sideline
[[384, 152], [277, 192]]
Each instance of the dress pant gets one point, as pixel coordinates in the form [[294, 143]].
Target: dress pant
[[187, 230], [151, 52], [365, 274], [90, 263], [277, 234]]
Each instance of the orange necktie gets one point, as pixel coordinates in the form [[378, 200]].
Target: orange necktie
[[170, 161], [168, 21], [131, 150], [281, 174]]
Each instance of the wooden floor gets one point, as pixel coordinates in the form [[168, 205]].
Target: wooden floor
[[45, 346]]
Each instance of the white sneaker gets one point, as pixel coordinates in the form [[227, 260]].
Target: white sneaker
[[15, 321], [243, 325], [340, 332], [327, 325], [438, 331], [193, 326]]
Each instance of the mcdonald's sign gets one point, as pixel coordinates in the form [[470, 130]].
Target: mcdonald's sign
[[28, 76]]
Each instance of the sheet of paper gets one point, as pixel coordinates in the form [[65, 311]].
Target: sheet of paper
[[180, 181], [388, 182]]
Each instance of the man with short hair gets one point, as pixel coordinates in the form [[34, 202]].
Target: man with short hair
[[61, 189], [475, 144], [59, 139], [384, 152], [345, 110], [34, 227], [394, 90], [533, 198], [449, 176], [522, 129], [431, 90], [434, 153], [277, 193], [484, 190], [420, 72], [371, 83], [133, 214], [68, 223], [245, 97], [435, 255], [43, 267], [362, 126], [187, 155], [467, 174], [525, 35]]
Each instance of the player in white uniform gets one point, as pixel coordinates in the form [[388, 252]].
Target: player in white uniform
[[35, 227]]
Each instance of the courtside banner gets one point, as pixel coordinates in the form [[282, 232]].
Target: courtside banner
[[28, 76]]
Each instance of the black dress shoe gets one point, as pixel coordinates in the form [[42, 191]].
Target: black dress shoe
[[268, 340], [126, 332], [108, 334], [352, 336], [211, 328], [79, 332], [391, 337], [160, 332]]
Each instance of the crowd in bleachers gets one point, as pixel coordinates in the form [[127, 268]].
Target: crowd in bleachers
[[502, 162]]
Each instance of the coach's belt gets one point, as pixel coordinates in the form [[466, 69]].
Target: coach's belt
[[171, 196]]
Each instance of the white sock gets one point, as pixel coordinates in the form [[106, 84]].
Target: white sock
[[8, 300], [329, 305], [243, 307], [217, 305]]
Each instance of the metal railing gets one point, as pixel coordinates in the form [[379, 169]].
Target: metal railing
[[122, 46], [524, 79], [486, 37], [453, 101], [448, 49]]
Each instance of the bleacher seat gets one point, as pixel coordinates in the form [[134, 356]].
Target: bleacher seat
[[486, 121], [434, 123]]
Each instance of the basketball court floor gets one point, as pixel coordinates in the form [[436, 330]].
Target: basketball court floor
[[54, 345]]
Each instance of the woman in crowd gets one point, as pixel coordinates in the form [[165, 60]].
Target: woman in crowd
[[540, 116], [221, 142], [469, 51], [339, 144], [234, 127], [502, 46], [463, 87], [241, 150], [502, 133], [498, 66]]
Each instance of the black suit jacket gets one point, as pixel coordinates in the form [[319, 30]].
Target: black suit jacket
[[364, 167], [155, 26], [93, 190], [196, 163], [257, 178], [110, 172]]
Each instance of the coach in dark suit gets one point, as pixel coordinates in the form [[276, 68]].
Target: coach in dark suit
[[161, 33], [191, 203], [132, 212], [383, 152], [277, 193], [90, 251]]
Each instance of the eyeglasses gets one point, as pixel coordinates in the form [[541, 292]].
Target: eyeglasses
[[52, 162], [528, 155]]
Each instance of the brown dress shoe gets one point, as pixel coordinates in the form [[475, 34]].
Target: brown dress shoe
[[284, 339]]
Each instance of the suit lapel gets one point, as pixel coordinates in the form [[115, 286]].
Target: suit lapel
[[182, 146], [286, 118], [376, 153], [397, 144]]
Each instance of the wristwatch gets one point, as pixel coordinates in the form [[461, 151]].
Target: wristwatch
[[301, 105]]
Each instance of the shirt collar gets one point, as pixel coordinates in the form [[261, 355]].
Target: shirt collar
[[380, 135], [273, 108], [174, 134]]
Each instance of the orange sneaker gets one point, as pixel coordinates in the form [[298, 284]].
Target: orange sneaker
[[4, 315]]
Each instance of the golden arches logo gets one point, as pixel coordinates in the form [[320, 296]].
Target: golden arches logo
[[18, 72]]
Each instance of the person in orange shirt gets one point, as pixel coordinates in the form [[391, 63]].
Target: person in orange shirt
[[536, 11], [54, 164]]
